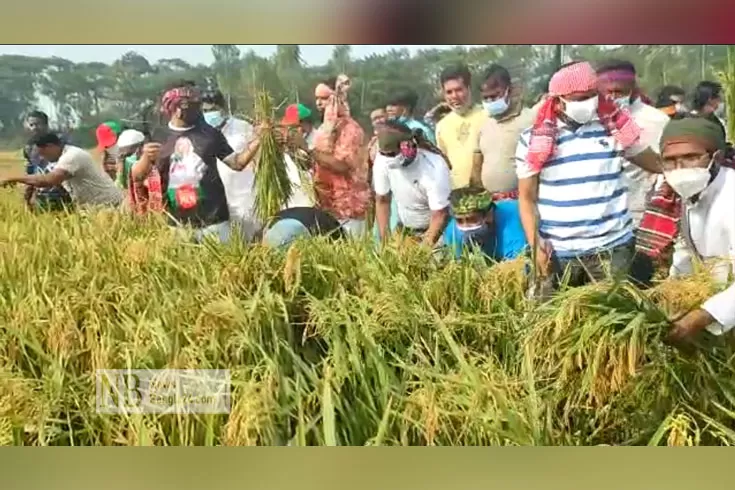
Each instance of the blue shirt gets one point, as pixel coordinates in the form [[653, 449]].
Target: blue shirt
[[416, 124], [510, 240]]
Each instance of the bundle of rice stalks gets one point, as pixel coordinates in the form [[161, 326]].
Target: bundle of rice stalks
[[273, 187]]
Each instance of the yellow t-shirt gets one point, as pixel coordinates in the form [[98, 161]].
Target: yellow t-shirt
[[457, 136]]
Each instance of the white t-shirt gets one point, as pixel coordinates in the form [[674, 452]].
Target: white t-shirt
[[88, 184], [299, 198], [238, 184], [418, 189]]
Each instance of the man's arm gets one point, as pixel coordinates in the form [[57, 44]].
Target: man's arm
[[438, 223], [438, 188], [383, 197], [331, 163], [644, 157], [476, 175], [51, 179]]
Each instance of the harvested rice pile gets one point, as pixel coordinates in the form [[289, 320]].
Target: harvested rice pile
[[335, 344]]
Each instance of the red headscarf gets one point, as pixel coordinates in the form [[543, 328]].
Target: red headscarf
[[173, 97], [579, 77]]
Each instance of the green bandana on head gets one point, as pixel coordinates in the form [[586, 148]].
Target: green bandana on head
[[695, 129], [467, 201]]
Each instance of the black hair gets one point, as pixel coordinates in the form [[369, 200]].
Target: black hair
[[417, 135], [180, 84], [405, 97], [664, 95], [704, 92], [44, 140], [214, 96], [497, 73], [38, 115], [616, 65], [456, 72]]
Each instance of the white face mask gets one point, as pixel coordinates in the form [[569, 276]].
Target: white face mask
[[720, 110], [582, 111], [688, 182]]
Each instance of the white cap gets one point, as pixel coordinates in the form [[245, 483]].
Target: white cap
[[130, 137]]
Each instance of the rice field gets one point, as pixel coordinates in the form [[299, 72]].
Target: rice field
[[337, 345]]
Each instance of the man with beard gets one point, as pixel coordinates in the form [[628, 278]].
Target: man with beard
[[186, 160], [456, 133], [54, 198]]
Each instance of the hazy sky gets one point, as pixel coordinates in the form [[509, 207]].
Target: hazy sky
[[195, 53]]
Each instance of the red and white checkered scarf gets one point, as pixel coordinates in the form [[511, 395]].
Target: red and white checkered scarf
[[579, 77], [172, 98]]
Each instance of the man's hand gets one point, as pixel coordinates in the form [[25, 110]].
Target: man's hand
[[151, 151], [543, 258], [687, 327]]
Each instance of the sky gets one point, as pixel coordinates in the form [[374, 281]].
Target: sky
[[313, 54]]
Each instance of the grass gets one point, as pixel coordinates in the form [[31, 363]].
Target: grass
[[337, 345]]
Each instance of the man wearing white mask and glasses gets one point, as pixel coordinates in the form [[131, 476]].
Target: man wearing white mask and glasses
[[573, 200], [692, 151]]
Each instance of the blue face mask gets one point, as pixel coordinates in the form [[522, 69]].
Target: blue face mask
[[214, 118], [480, 236], [496, 107]]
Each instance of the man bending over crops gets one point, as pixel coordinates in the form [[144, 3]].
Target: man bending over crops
[[492, 226], [297, 222], [416, 175], [692, 151], [43, 199], [340, 173], [573, 201], [187, 162], [75, 169]]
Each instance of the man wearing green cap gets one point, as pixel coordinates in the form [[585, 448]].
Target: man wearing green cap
[[301, 115], [107, 134], [692, 151]]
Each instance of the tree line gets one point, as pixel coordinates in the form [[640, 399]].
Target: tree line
[[86, 94]]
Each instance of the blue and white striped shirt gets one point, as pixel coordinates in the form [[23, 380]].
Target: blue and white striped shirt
[[582, 197]]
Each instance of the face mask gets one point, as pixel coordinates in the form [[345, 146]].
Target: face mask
[[478, 236], [688, 182], [214, 118], [582, 111], [622, 102], [190, 115], [497, 106], [397, 161], [720, 109]]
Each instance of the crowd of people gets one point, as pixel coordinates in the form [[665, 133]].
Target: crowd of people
[[594, 179]]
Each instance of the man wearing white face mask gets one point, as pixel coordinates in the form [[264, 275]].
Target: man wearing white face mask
[[692, 151], [617, 81], [238, 185], [573, 200]]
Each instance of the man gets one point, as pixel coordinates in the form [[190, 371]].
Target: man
[[107, 134], [617, 81], [493, 163], [340, 167], [436, 114], [301, 222], [692, 151], [709, 104], [456, 133], [573, 200], [75, 169], [300, 115], [53, 198], [401, 106], [238, 184], [378, 117], [670, 100], [416, 178], [493, 226], [187, 162]]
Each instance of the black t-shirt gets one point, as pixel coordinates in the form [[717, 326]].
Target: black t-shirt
[[194, 193], [318, 222]]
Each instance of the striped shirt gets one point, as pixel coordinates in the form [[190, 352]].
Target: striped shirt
[[582, 196]]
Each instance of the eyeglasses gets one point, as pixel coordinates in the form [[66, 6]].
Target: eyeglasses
[[689, 160]]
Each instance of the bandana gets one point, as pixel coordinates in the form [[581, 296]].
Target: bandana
[[467, 203], [624, 76], [171, 99], [580, 77]]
